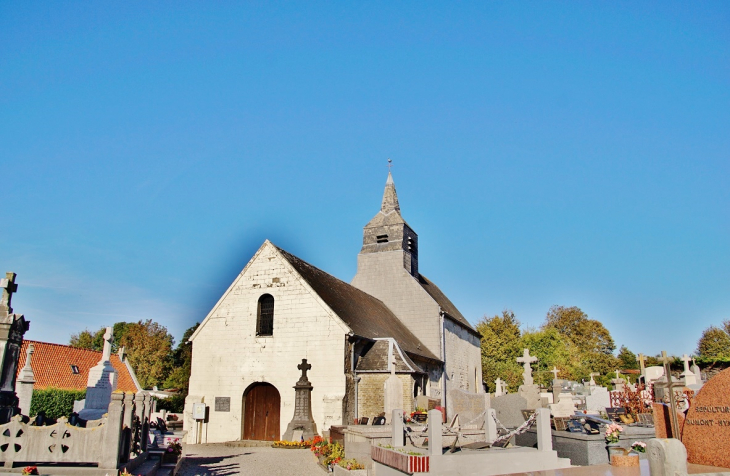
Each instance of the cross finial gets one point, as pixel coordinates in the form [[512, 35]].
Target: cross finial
[[593, 374], [618, 374], [9, 287], [390, 164], [555, 372], [526, 360], [304, 366], [665, 359], [686, 359], [107, 352]]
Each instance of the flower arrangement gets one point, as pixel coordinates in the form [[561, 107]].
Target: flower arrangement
[[638, 446], [337, 454], [613, 432], [320, 446], [174, 447], [350, 464], [30, 470], [292, 444]]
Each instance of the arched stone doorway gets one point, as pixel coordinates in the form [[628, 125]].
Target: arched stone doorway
[[261, 405]]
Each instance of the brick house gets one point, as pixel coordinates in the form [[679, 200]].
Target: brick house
[[281, 309]]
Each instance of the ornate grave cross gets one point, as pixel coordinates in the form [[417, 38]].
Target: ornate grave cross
[[304, 366], [618, 375], [594, 374], [526, 360], [555, 372], [672, 402], [9, 287]]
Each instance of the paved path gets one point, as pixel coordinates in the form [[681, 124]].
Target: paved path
[[221, 460]]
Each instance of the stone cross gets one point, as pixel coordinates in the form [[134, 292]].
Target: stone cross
[[392, 365], [618, 375], [304, 366], [593, 374], [686, 360], [107, 345], [7, 284], [526, 360], [498, 387], [555, 372]]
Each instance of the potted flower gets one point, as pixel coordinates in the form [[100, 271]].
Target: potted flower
[[172, 452], [30, 470], [420, 415], [350, 467], [613, 433]]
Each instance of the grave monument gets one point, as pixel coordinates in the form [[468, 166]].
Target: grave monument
[[26, 380], [528, 390], [393, 389], [101, 383], [12, 328], [302, 426]]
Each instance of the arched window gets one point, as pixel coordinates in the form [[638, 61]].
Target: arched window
[[265, 316]]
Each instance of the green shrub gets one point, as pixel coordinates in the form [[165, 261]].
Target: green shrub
[[173, 404], [55, 402]]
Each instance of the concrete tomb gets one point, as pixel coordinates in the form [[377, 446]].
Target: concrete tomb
[[302, 424], [101, 383]]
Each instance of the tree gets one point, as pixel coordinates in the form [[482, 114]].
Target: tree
[[714, 343], [182, 359], [148, 346], [627, 359], [86, 340], [552, 350], [500, 347], [592, 343]]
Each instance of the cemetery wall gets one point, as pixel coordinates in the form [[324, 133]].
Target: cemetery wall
[[383, 275], [228, 356], [463, 358], [370, 401]]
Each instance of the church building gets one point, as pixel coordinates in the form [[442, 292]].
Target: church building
[[281, 309]]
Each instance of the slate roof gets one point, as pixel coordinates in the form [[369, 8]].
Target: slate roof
[[366, 315], [444, 303], [51, 365], [375, 359]]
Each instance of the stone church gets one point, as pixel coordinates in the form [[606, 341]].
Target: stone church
[[281, 309]]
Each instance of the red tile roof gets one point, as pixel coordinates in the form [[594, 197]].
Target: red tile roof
[[52, 363]]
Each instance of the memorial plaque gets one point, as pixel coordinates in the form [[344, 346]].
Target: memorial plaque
[[615, 413], [561, 423], [223, 404], [706, 432]]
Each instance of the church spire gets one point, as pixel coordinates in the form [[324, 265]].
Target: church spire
[[390, 197]]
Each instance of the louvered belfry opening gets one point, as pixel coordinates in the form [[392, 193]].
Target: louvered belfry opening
[[265, 321]]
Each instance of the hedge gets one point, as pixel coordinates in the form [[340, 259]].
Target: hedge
[[173, 404], [55, 402]]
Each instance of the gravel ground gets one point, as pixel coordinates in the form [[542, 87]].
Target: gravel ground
[[220, 460]]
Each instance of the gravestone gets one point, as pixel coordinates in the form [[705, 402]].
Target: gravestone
[[471, 407], [706, 432], [498, 388], [528, 390], [618, 382], [598, 399], [302, 422], [101, 383], [653, 373], [509, 409], [26, 380], [688, 375], [393, 390], [12, 328], [565, 406]]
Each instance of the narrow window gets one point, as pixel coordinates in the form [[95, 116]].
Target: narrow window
[[382, 238], [265, 320]]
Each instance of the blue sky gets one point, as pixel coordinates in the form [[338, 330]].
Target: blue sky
[[572, 153]]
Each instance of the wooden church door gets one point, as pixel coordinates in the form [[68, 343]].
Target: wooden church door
[[261, 413]]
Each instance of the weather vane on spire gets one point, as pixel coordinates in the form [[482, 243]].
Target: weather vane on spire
[[390, 164]]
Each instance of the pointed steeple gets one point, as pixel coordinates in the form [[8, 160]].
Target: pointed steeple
[[389, 232], [390, 197]]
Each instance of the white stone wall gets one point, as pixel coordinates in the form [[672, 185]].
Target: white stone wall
[[463, 358], [382, 275], [228, 356]]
